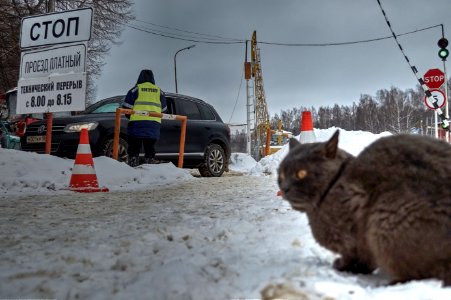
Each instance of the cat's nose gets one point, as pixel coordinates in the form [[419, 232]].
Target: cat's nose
[[285, 189]]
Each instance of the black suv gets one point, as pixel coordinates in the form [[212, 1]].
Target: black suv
[[207, 145]]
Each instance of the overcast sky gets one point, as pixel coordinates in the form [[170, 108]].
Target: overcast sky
[[293, 76]]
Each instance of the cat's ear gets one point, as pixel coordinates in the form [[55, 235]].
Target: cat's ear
[[293, 143], [332, 145]]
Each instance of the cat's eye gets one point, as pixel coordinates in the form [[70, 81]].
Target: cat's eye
[[301, 174]]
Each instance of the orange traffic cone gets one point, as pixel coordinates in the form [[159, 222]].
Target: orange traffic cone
[[307, 134], [84, 178]]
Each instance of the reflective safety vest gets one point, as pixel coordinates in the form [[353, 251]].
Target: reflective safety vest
[[148, 100]]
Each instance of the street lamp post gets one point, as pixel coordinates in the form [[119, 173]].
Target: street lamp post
[[175, 64]]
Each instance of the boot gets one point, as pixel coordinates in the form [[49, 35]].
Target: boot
[[133, 161], [152, 161]]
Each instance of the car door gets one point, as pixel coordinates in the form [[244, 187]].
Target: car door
[[169, 141], [197, 131]]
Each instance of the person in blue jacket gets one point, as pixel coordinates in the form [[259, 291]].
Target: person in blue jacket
[[144, 130]]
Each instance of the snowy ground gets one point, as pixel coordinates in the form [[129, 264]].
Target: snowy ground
[[161, 233]]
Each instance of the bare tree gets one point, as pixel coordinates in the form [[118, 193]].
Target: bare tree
[[238, 141], [9, 44], [109, 18]]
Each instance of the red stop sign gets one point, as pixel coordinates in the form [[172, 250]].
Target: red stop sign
[[434, 78]]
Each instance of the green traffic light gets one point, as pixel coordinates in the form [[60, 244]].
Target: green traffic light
[[443, 53]]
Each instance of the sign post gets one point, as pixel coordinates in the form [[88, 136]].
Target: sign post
[[53, 79], [434, 79]]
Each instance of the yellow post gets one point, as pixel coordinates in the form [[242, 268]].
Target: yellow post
[[182, 140], [268, 140], [117, 130]]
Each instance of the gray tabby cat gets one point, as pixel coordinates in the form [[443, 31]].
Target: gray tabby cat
[[387, 208]]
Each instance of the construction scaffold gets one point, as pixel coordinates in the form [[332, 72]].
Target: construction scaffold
[[257, 109]]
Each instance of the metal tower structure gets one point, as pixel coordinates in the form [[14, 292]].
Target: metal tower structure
[[257, 101]]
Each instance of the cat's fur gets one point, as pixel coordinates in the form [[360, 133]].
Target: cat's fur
[[388, 208]]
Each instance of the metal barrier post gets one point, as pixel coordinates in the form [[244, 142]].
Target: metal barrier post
[[268, 140], [182, 141], [48, 135], [117, 129]]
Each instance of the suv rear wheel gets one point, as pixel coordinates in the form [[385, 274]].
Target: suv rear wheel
[[214, 162], [107, 149]]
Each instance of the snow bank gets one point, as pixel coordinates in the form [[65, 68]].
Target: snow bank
[[351, 141]]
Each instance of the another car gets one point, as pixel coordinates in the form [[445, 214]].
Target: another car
[[7, 139], [207, 145]]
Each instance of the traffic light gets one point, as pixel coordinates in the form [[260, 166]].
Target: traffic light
[[443, 52]]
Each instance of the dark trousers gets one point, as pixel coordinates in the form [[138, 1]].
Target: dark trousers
[[134, 147]]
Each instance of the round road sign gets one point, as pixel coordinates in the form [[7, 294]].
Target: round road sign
[[438, 97]]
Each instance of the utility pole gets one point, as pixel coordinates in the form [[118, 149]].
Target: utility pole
[[447, 101], [248, 119], [49, 115], [51, 6], [261, 109], [247, 76], [446, 87]]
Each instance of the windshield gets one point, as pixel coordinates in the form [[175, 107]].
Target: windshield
[[105, 106]]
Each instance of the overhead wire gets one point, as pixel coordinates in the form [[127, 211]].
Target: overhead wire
[[181, 35], [192, 32], [217, 39], [190, 39], [345, 43], [237, 97]]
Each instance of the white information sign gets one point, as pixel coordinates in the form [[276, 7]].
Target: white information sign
[[51, 94], [59, 60], [56, 28]]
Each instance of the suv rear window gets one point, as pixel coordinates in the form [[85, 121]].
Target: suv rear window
[[206, 112], [190, 109]]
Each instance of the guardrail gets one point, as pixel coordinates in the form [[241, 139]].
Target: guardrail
[[117, 129]]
